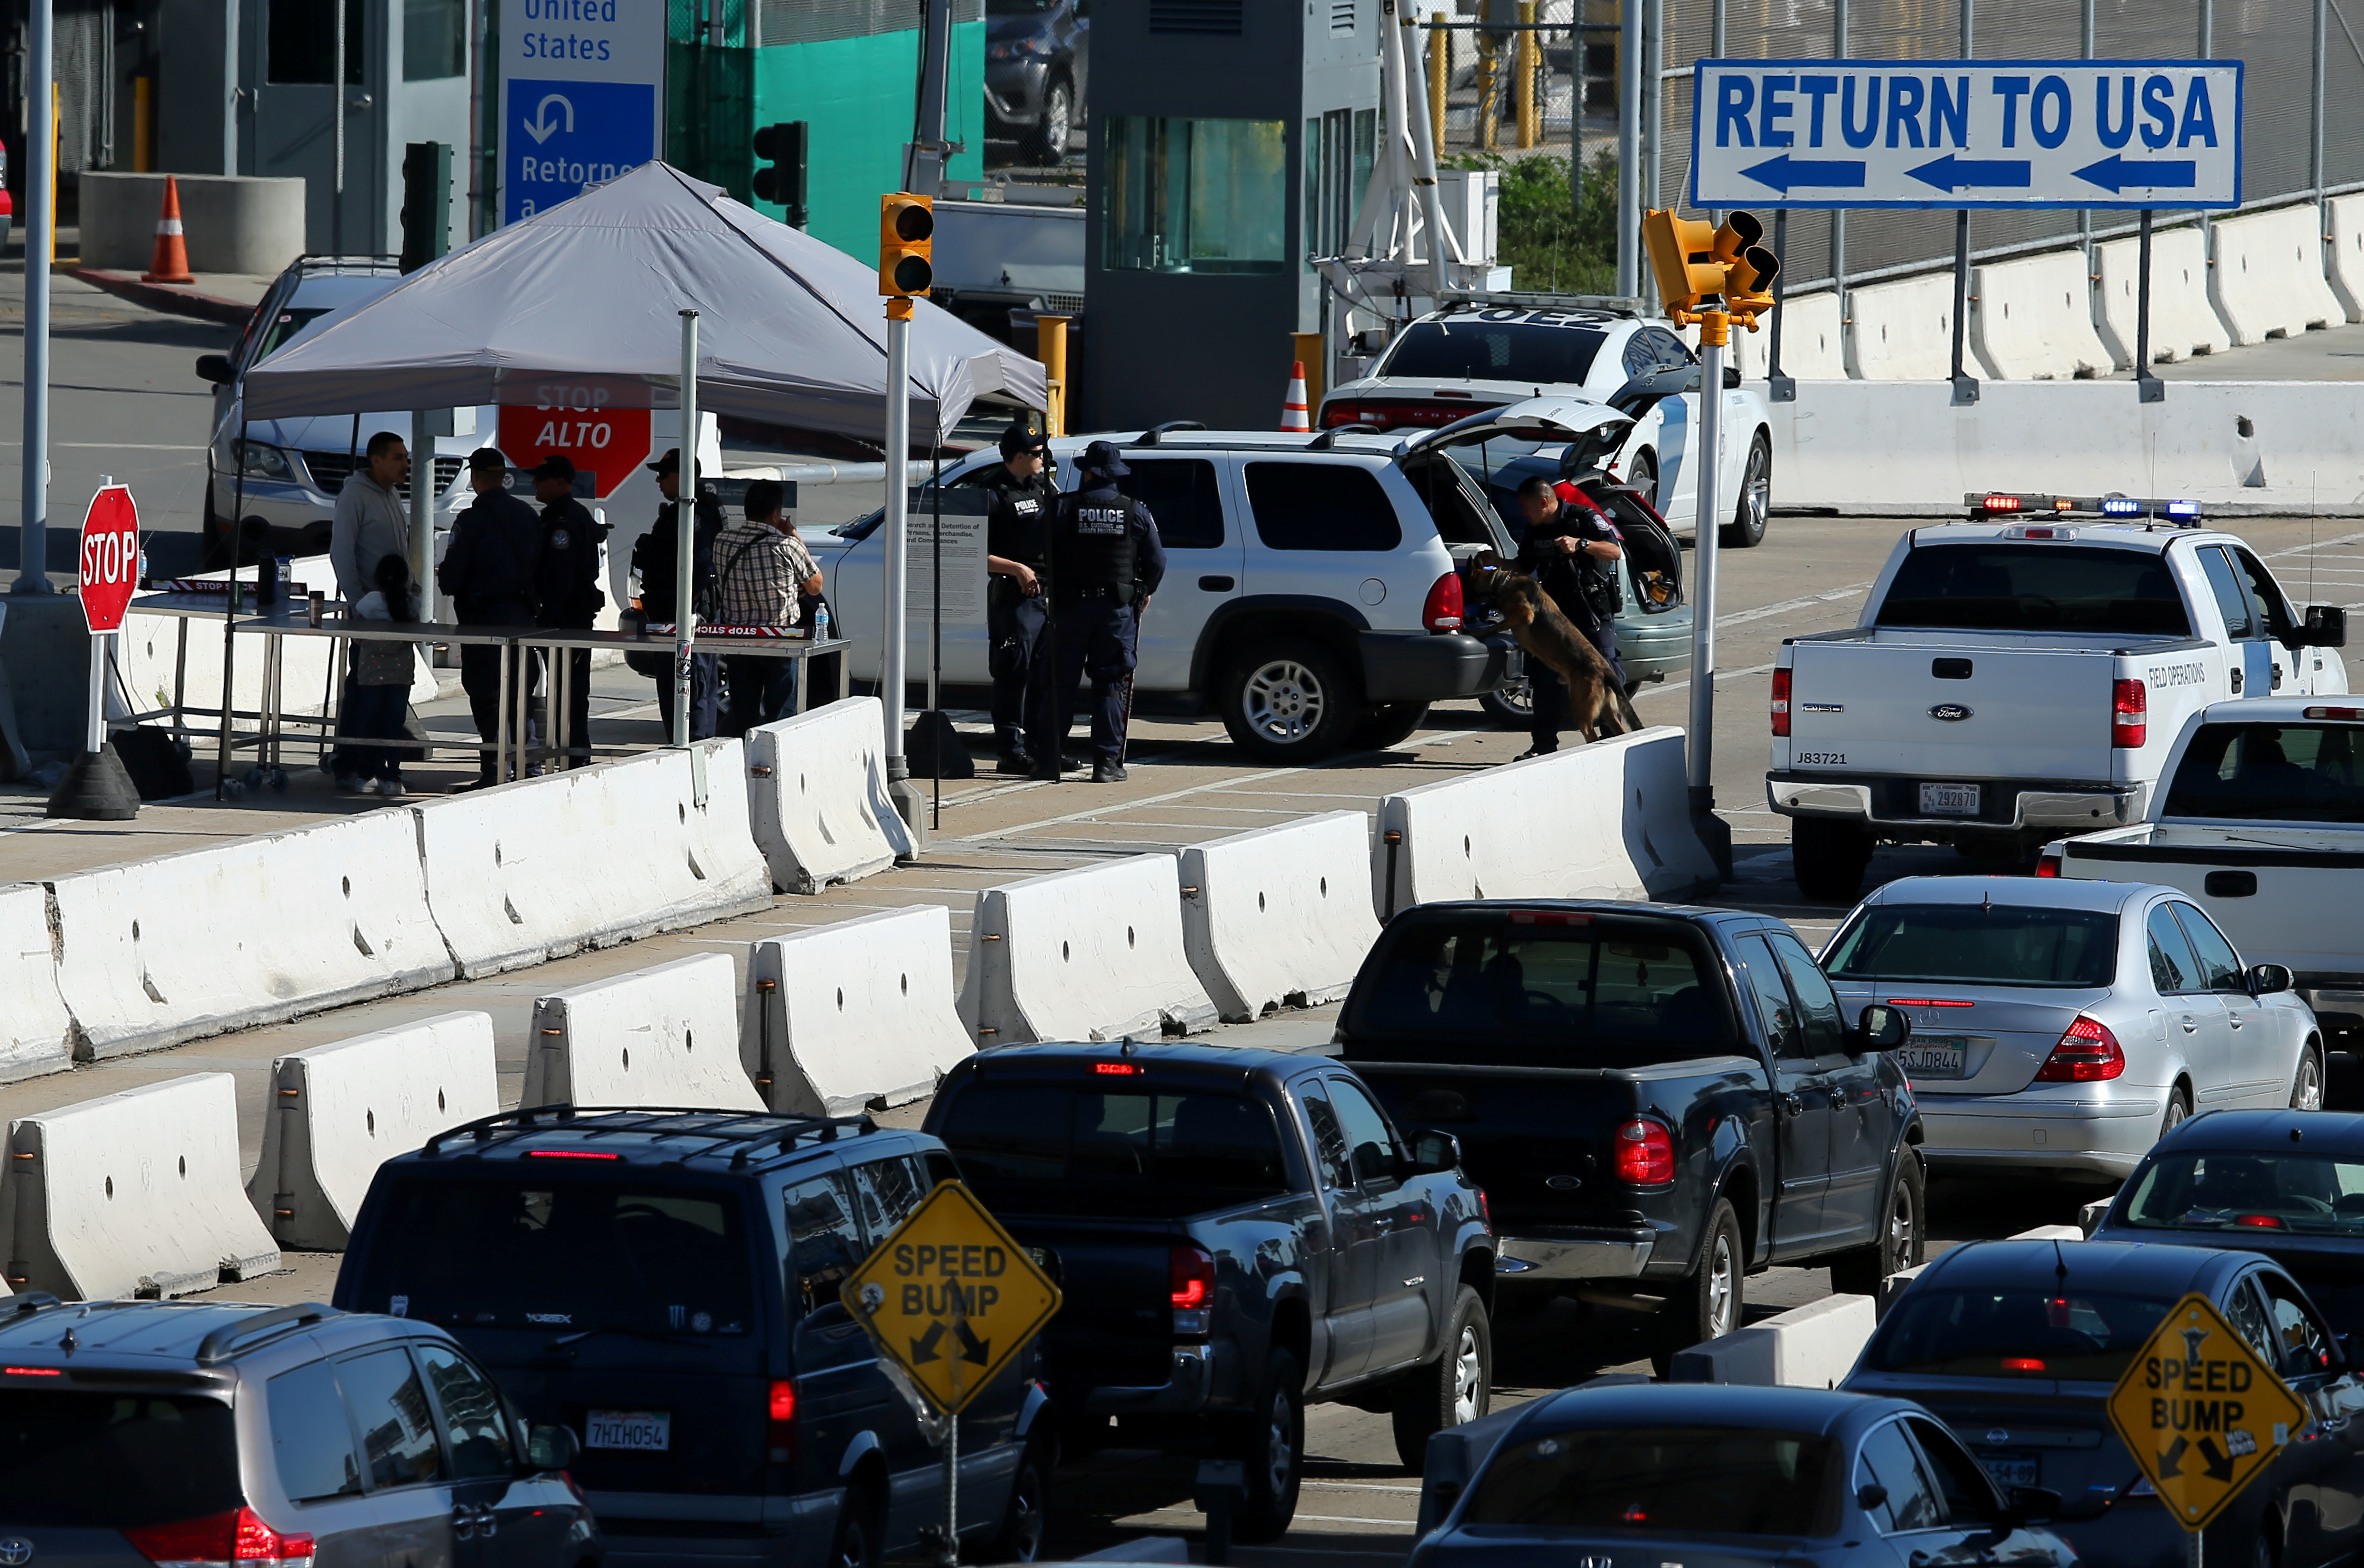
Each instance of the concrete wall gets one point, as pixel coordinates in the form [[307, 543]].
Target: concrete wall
[[233, 224]]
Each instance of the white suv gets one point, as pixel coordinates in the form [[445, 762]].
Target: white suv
[[1313, 594], [1474, 355]]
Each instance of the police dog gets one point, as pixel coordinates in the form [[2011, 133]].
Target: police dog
[[1597, 703]]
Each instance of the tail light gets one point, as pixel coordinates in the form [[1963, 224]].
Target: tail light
[[1443, 611], [1781, 702], [1190, 1276], [2047, 865], [781, 1426], [2129, 713], [1485, 1209], [2087, 1053], [1645, 1153], [219, 1540]]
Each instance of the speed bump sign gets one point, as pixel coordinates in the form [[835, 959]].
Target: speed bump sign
[[949, 1297], [2201, 1412]]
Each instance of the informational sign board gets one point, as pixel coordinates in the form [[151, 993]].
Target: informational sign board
[[950, 1298], [581, 97], [109, 562], [2201, 1412], [581, 424], [962, 552], [1966, 133]]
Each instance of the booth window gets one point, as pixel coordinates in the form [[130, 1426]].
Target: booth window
[[434, 39], [1189, 195], [303, 42]]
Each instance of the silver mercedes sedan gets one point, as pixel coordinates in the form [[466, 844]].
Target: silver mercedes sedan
[[2064, 1025]]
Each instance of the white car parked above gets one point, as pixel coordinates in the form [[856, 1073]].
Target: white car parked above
[[2065, 1026], [1474, 355]]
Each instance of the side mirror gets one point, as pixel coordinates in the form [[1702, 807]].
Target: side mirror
[[1870, 1497], [1881, 1028], [1731, 378], [552, 1448], [1433, 1152], [2264, 978], [2326, 627], [216, 368], [2034, 1505]]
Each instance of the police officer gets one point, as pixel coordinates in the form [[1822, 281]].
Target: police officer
[[490, 569], [654, 557], [1572, 549], [1105, 561], [566, 588], [1013, 594]]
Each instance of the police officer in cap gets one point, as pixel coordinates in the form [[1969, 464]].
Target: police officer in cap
[[1105, 561], [490, 569], [654, 557], [1013, 594], [566, 589]]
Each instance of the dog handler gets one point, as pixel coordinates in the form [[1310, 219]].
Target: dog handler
[[1572, 550]]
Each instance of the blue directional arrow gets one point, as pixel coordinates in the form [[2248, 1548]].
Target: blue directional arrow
[[2115, 173], [1786, 173], [1952, 174]]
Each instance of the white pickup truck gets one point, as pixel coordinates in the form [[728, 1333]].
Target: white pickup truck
[[2022, 676], [2262, 823]]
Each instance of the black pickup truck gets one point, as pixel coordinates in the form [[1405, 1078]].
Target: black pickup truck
[[1657, 1099], [1236, 1234]]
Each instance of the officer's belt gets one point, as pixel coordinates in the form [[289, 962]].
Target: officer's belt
[[1093, 595]]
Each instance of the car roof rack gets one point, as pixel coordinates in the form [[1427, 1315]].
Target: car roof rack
[[746, 1128], [223, 1342], [1151, 437], [1329, 438], [26, 1301], [1488, 299]]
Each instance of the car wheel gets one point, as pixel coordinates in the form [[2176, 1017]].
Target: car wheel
[[1746, 528], [1289, 701], [2179, 1106], [1271, 1448], [1644, 476], [1387, 724], [1828, 858], [1027, 1519], [1707, 1304], [1903, 1240], [855, 1544], [1046, 143], [1452, 1391], [1510, 705], [2306, 1087]]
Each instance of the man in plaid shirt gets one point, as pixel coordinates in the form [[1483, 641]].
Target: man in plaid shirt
[[760, 568]]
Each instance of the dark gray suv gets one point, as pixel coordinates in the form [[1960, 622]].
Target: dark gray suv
[[136, 1432]]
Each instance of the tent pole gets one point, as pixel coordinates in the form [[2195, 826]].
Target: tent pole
[[909, 804], [685, 525]]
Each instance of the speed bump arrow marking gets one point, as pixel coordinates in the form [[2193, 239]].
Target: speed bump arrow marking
[[950, 1297], [2198, 1390]]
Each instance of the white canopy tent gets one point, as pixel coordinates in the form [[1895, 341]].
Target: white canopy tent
[[791, 332]]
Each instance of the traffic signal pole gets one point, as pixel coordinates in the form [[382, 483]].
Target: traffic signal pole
[[1715, 332], [899, 788]]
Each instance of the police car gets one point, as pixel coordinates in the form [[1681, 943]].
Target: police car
[[1485, 352]]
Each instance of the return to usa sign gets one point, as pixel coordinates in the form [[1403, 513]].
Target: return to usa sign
[[1966, 133]]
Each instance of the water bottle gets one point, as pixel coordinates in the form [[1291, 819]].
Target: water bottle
[[820, 623]]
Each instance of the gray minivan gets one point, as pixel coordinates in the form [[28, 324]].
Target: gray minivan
[[137, 1432]]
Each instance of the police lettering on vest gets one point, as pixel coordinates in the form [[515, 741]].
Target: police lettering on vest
[[1092, 547]]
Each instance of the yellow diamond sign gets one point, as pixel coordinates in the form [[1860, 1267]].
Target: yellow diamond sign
[[2201, 1412], [949, 1296]]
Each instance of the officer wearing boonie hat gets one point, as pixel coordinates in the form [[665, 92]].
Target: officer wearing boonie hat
[[490, 569], [1105, 561]]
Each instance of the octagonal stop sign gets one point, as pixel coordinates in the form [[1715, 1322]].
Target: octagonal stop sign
[[579, 423], [110, 558]]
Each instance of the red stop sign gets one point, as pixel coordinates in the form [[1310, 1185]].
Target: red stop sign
[[578, 424], [110, 558]]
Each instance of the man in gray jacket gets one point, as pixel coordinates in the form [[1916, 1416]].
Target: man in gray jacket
[[371, 524]]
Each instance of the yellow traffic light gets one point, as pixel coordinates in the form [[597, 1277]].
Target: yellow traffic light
[[1747, 291], [906, 226], [1682, 255]]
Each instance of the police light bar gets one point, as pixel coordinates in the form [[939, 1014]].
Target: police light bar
[[1983, 504]]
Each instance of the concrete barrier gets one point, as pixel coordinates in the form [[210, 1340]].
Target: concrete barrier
[[231, 223], [2089, 1216], [1902, 447], [1607, 821], [1904, 331], [665, 1036], [338, 1112], [2268, 278], [135, 1194], [2033, 318], [856, 1016], [2183, 320], [35, 1030], [2049, 1233], [2344, 252], [1277, 916], [1896, 1285], [1814, 1346], [816, 796], [589, 858], [1811, 344], [1093, 953], [253, 931]]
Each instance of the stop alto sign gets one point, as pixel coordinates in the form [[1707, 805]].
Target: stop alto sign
[[110, 558], [578, 423]]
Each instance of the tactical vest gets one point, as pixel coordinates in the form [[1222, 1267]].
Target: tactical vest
[[1091, 545]]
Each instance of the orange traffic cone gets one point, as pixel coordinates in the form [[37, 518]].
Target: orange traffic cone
[[1293, 419], [170, 263]]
